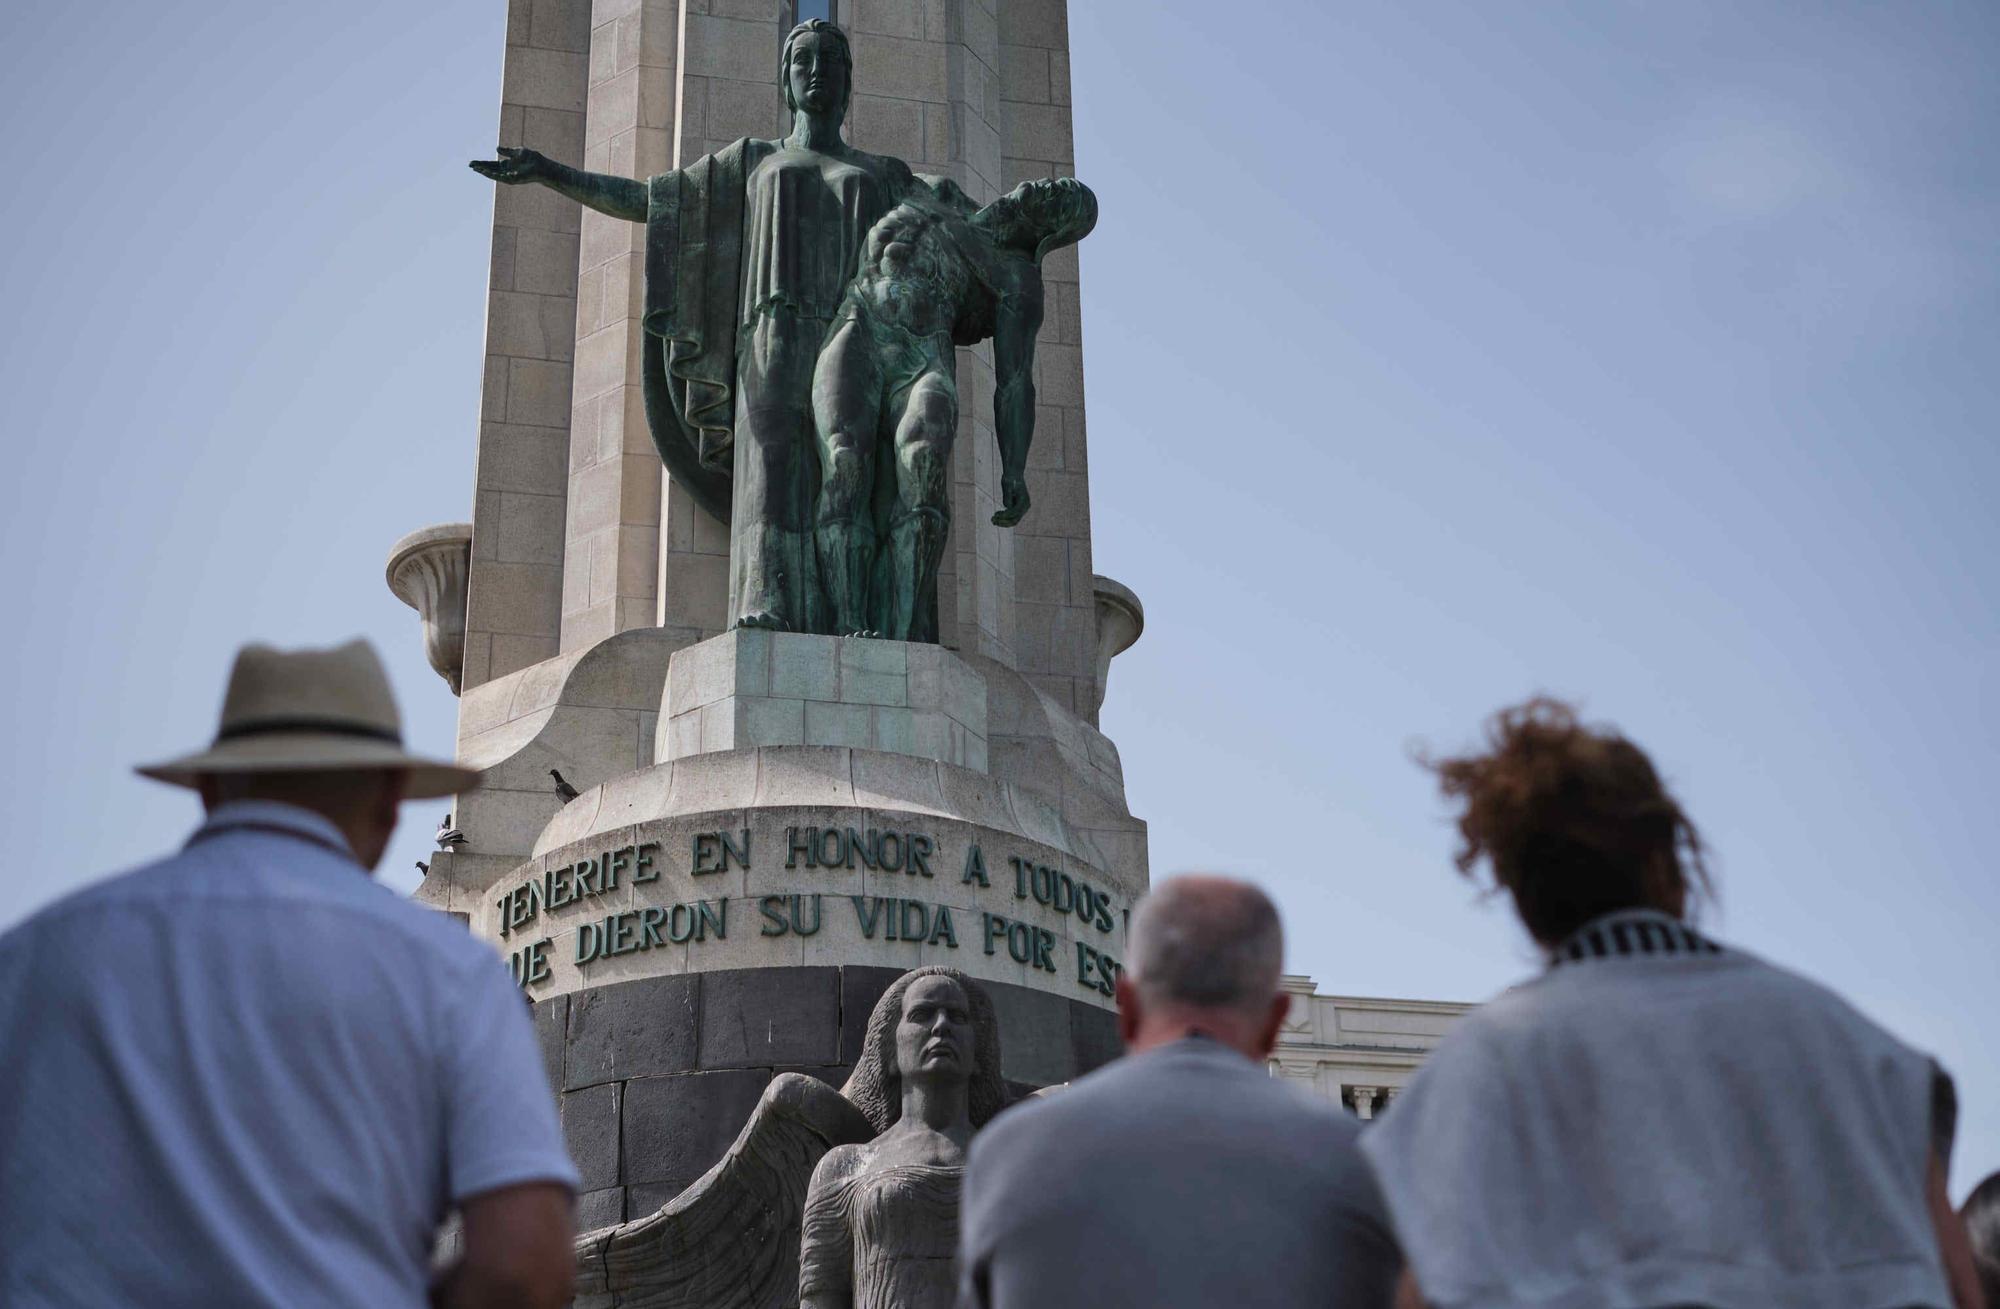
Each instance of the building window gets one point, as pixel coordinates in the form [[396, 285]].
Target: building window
[[804, 11]]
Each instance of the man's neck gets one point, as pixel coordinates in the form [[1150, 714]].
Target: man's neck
[[1229, 1031]]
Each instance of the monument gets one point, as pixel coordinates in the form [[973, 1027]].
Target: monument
[[775, 631]]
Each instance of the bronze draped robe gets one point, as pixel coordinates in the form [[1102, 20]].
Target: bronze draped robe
[[694, 274]]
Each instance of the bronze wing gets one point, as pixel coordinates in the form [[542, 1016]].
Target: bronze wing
[[731, 1240]]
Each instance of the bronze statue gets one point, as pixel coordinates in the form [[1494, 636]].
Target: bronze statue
[[885, 392], [881, 1219], [748, 255], [773, 372], [829, 1198]]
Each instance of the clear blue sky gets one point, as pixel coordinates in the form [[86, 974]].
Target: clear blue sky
[[1437, 354]]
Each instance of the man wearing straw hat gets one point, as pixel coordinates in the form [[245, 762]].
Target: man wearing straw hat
[[249, 1075]]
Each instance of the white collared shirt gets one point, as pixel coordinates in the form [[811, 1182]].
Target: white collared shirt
[[248, 1074]]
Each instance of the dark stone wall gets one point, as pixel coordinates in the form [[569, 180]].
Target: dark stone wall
[[655, 1077]]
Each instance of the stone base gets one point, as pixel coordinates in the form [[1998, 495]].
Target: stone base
[[657, 1076], [750, 688]]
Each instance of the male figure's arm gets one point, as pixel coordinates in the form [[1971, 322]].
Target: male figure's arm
[[518, 1251], [1016, 323], [620, 197]]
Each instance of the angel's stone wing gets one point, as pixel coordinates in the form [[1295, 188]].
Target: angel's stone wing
[[731, 1240]]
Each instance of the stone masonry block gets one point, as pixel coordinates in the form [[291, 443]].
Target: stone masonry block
[[1041, 132], [675, 1128], [545, 79], [732, 49], [894, 729], [1043, 23], [873, 672], [551, 1023], [1041, 569], [890, 127], [771, 722], [590, 1132], [538, 392], [1035, 1042], [899, 67], [805, 667], [860, 987], [545, 262], [920, 19], [745, 108], [531, 529], [760, 1018], [718, 726], [644, 1028], [1094, 1034], [1024, 74], [837, 724], [595, 1209]]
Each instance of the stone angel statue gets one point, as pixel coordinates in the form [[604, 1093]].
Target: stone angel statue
[[828, 1199]]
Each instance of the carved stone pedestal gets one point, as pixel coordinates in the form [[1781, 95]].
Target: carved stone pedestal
[[809, 817]]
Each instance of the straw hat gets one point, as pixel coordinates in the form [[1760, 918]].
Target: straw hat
[[298, 710]]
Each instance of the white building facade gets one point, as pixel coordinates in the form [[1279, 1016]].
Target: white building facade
[[1357, 1051]]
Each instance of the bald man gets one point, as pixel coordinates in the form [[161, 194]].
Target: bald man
[[1182, 1174]]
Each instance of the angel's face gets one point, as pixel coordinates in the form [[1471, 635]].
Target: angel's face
[[935, 1034]]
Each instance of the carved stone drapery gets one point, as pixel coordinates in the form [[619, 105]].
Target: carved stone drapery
[[427, 571]]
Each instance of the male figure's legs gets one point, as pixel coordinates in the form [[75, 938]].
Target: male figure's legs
[[847, 413], [922, 516]]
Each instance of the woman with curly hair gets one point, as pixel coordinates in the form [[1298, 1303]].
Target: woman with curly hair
[[1657, 1119], [881, 1221]]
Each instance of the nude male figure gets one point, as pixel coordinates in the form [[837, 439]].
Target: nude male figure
[[885, 390]]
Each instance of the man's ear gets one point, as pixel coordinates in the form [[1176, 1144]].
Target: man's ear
[[1274, 1022], [1128, 1009]]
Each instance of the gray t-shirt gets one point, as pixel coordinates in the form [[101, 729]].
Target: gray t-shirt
[[1185, 1176], [249, 1075]]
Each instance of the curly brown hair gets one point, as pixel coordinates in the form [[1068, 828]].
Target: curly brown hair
[[1574, 821], [876, 1086]]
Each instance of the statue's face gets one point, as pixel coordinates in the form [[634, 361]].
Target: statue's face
[[817, 74], [935, 1034]]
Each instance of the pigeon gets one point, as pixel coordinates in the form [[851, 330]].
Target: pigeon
[[563, 789], [449, 836], [423, 868]]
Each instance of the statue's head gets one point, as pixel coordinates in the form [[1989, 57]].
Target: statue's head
[[817, 69], [1047, 213], [932, 1023]]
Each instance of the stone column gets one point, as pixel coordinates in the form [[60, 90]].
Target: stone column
[[515, 589], [612, 549], [1364, 1101], [1056, 616]]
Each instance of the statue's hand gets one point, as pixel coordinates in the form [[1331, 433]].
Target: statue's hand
[[514, 166], [1014, 500]]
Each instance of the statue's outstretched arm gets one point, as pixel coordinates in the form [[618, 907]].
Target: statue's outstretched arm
[[1014, 331], [620, 197]]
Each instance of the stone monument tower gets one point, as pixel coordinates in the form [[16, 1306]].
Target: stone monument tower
[[705, 847]]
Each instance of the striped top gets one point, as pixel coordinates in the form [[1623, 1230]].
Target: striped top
[[1660, 1120], [1630, 934]]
